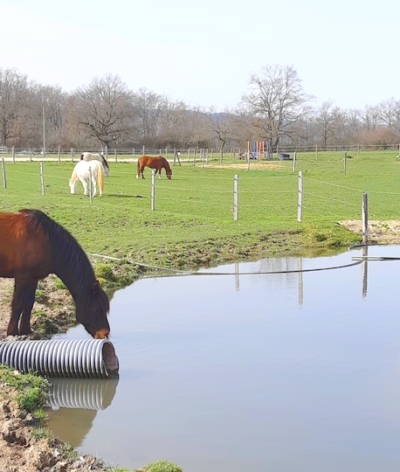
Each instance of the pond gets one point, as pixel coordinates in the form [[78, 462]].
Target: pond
[[289, 371]]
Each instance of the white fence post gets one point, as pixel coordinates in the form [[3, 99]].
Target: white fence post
[[364, 218], [300, 197], [294, 161], [153, 189], [235, 197], [90, 185]]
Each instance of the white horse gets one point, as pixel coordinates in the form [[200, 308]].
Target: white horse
[[90, 156], [83, 170]]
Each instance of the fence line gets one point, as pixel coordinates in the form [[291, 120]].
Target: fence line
[[302, 197]]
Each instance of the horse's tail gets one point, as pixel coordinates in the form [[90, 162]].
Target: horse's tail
[[100, 180], [72, 181]]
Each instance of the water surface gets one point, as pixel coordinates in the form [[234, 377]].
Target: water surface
[[295, 371]]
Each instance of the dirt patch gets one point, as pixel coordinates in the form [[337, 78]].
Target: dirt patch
[[379, 232], [20, 451]]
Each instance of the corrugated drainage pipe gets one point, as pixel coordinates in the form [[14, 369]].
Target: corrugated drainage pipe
[[61, 357]]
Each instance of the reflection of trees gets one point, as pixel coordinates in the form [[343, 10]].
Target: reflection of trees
[[73, 405]]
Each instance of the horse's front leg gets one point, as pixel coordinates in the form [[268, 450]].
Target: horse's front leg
[[21, 307], [85, 189]]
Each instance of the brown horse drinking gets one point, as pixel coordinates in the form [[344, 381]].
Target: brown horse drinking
[[32, 246], [154, 162]]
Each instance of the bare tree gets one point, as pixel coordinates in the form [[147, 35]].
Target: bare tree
[[105, 109], [147, 115], [220, 126], [172, 123], [14, 104], [277, 101], [328, 120]]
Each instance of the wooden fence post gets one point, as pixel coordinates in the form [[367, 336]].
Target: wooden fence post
[[13, 154], [300, 197], [294, 161], [364, 218], [41, 176], [153, 189], [345, 162], [235, 197], [3, 168], [59, 154]]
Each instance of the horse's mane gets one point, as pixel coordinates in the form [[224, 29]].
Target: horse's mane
[[105, 161], [67, 255], [165, 162]]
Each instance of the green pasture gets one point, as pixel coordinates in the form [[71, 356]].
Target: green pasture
[[193, 223]]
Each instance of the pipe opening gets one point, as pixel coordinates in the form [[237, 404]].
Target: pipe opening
[[110, 359]]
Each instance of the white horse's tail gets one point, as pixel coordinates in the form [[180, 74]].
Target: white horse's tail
[[100, 180], [72, 181]]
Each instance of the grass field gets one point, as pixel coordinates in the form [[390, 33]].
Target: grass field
[[192, 223]]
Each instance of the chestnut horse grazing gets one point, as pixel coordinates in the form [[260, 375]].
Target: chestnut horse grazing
[[154, 162], [90, 156], [34, 246]]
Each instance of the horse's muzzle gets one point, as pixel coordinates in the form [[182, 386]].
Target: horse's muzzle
[[102, 334]]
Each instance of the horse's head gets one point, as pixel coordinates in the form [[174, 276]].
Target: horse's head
[[93, 314], [167, 168]]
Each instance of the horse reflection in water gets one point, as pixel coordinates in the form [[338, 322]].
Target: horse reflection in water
[[34, 246], [153, 162]]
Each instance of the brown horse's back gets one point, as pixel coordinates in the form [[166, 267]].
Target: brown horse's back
[[22, 251], [153, 162]]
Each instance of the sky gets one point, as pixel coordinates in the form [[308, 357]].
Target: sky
[[203, 52]]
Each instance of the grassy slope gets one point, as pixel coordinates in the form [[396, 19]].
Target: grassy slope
[[192, 224]]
